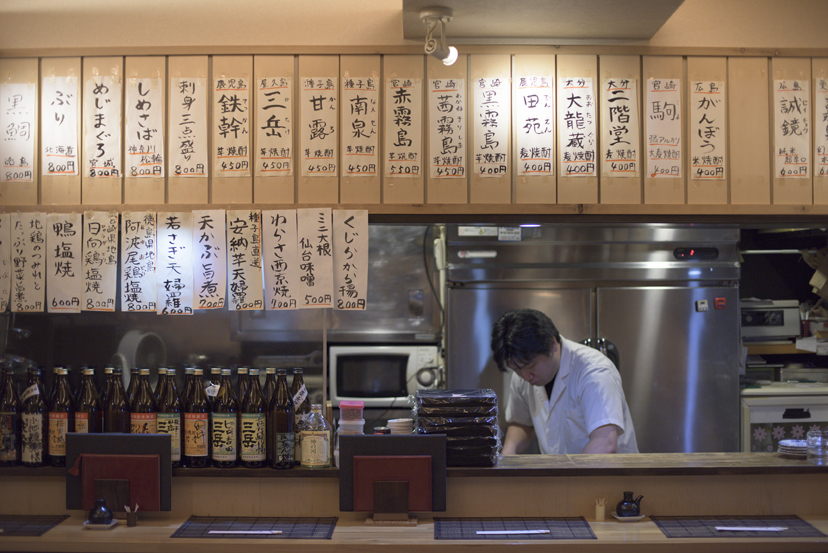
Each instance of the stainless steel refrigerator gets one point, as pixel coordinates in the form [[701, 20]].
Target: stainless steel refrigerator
[[665, 296]]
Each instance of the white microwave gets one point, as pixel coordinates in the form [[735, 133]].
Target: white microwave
[[381, 376]]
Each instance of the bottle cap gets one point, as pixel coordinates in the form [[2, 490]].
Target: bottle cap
[[88, 371], [270, 370], [225, 372], [198, 372], [215, 370], [162, 371], [143, 372], [188, 370], [108, 370], [61, 370], [254, 372], [242, 370], [297, 370], [171, 372], [281, 371]]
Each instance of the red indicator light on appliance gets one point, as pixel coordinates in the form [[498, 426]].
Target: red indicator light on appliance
[[720, 303]]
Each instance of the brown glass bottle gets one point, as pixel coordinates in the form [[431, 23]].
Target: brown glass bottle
[[61, 418], [134, 373], [282, 419], [196, 424], [88, 410], [301, 409], [243, 384], [224, 424], [11, 421], [143, 412], [253, 429], [269, 385], [211, 386], [107, 386], [169, 414], [116, 410], [35, 433], [159, 385]]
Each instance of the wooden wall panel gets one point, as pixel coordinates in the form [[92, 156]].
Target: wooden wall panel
[[533, 189], [360, 190], [576, 190], [447, 190], [791, 190], [819, 67], [749, 130], [315, 190], [62, 189], [488, 190], [271, 188], [187, 190], [144, 190], [663, 190], [232, 190], [399, 190], [703, 191], [620, 190], [101, 190]]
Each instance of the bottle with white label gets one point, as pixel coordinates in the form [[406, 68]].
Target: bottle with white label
[[253, 429], [196, 423], [224, 424], [35, 433], [316, 440], [169, 414], [89, 415], [301, 407], [143, 418], [11, 423], [61, 418]]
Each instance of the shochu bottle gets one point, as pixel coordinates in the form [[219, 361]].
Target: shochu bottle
[[224, 424], [269, 385], [159, 386], [116, 410], [143, 418], [133, 383], [301, 407], [88, 411], [11, 422], [169, 414], [106, 389], [35, 422], [243, 384], [61, 418], [253, 425], [196, 424], [281, 420]]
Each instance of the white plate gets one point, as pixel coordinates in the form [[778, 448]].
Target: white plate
[[627, 519], [796, 444], [89, 526]]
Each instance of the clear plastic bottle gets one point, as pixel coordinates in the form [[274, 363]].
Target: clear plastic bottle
[[316, 440]]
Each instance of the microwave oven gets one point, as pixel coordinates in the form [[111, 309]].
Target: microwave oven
[[770, 319], [381, 376]]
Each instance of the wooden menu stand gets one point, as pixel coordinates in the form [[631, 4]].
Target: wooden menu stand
[[391, 505]]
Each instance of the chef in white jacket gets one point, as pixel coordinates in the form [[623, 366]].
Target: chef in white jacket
[[567, 394]]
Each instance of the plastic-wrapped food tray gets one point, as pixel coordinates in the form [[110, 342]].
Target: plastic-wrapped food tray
[[479, 430], [456, 398]]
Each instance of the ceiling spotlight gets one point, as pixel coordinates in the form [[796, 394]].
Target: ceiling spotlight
[[434, 17]]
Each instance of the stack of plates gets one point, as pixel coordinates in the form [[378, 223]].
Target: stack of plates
[[401, 426], [794, 448]]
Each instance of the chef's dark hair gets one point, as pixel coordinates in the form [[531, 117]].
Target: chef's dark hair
[[520, 335]]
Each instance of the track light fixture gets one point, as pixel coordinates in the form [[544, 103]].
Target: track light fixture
[[434, 17]]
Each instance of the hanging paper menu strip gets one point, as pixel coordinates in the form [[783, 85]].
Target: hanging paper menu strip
[[59, 121], [350, 259], [319, 127], [360, 102], [535, 135], [5, 261], [708, 121], [663, 116], [209, 259], [492, 102], [315, 235], [447, 128], [144, 128], [621, 135], [175, 263], [100, 260], [138, 261], [17, 121], [28, 243], [102, 139], [231, 127], [64, 276], [188, 124], [403, 127], [792, 138], [280, 255], [244, 260], [274, 127], [576, 105], [821, 131]]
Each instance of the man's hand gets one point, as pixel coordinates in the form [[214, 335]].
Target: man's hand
[[518, 439]]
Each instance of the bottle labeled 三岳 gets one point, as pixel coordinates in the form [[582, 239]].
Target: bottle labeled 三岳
[[143, 418], [224, 424], [242, 384], [61, 417], [269, 385], [253, 429], [281, 418], [169, 415], [89, 415], [116, 409], [11, 422], [35, 420], [196, 424]]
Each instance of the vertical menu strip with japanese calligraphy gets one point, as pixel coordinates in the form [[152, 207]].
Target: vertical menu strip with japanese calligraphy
[[244, 259], [403, 127], [138, 261], [144, 128], [492, 121], [209, 259], [59, 133], [447, 128], [791, 129], [319, 127], [5, 261], [280, 259], [314, 231], [100, 260], [231, 126], [350, 259], [621, 133], [274, 127], [64, 276], [708, 130], [188, 127], [102, 126], [576, 112], [821, 128], [18, 105], [360, 124], [535, 128], [175, 263], [28, 253], [663, 116]]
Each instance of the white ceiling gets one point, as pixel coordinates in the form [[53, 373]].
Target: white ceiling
[[544, 19]]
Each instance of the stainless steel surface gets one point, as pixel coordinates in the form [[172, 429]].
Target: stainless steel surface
[[679, 366]]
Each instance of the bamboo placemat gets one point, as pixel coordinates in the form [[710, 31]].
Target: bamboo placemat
[[299, 528], [562, 528]]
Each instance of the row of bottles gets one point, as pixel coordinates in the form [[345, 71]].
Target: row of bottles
[[210, 423]]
